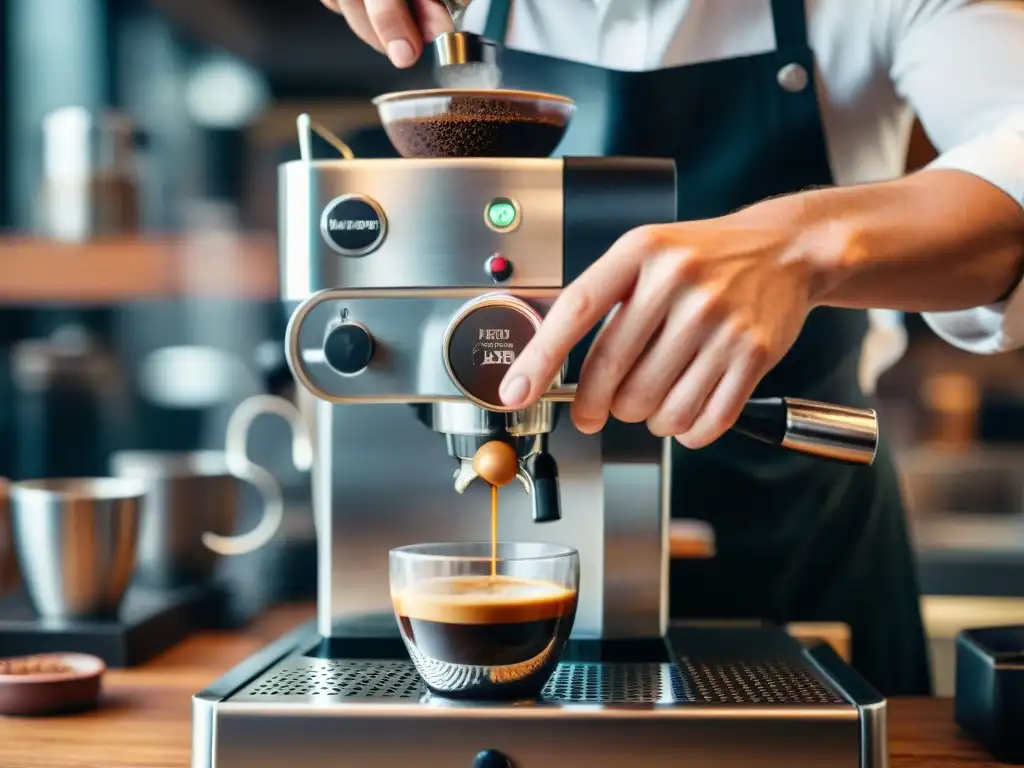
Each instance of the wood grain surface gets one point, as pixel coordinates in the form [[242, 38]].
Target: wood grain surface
[[144, 718]]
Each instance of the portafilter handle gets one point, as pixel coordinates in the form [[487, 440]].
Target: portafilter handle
[[827, 431]]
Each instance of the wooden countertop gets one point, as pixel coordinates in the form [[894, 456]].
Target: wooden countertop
[[144, 719]]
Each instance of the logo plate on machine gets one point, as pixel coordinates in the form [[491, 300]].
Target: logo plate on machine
[[483, 343], [353, 225]]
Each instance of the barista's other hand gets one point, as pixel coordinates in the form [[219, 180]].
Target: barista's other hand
[[396, 28], [703, 311]]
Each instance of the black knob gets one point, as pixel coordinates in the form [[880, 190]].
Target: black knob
[[492, 758], [348, 348]]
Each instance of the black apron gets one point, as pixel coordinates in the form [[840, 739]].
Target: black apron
[[797, 539]]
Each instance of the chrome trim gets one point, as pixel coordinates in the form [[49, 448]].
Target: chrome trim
[[324, 216], [831, 431], [528, 710], [871, 705], [334, 327], [295, 356], [481, 302], [204, 732], [207, 703], [468, 419], [323, 477]]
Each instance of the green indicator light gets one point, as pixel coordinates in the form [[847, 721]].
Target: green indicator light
[[501, 214]]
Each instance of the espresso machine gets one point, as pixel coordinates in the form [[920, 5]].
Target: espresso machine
[[412, 285]]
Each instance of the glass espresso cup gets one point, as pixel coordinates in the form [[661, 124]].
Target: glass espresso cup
[[474, 634]]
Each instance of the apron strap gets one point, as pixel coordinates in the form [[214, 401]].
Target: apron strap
[[790, 20], [498, 16]]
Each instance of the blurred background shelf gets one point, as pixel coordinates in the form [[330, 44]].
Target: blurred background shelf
[[37, 271], [182, 310]]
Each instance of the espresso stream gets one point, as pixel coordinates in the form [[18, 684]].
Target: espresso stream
[[494, 531]]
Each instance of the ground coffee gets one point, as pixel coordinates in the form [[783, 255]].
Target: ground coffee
[[476, 127]]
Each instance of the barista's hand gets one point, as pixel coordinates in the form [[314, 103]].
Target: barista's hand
[[397, 28], [704, 311]]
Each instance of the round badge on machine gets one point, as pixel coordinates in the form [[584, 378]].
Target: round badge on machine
[[483, 340], [353, 225]]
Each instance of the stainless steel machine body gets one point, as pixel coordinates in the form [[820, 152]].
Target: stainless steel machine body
[[393, 428], [414, 283]]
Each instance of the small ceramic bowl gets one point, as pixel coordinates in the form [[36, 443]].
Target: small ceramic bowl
[[49, 684]]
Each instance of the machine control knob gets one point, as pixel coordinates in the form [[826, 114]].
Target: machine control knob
[[348, 348], [483, 340], [492, 758]]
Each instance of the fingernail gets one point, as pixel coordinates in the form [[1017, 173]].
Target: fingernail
[[401, 53], [514, 391], [587, 426], [692, 440]]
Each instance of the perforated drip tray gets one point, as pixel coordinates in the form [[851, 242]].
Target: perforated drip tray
[[693, 681], [707, 696]]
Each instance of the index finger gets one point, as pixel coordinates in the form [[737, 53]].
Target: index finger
[[395, 27], [582, 305]]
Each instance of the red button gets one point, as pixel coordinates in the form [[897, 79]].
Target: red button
[[499, 268]]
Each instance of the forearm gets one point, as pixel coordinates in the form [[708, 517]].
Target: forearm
[[934, 241]]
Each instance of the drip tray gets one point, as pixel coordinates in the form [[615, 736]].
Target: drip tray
[[719, 698], [338, 680]]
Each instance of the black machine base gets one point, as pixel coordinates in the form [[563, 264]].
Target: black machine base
[[150, 622]]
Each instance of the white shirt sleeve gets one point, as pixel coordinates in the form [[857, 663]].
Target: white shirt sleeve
[[960, 66]]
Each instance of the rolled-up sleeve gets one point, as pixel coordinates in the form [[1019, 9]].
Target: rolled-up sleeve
[[960, 66]]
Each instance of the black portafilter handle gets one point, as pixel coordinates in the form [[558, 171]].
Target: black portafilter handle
[[823, 430]]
